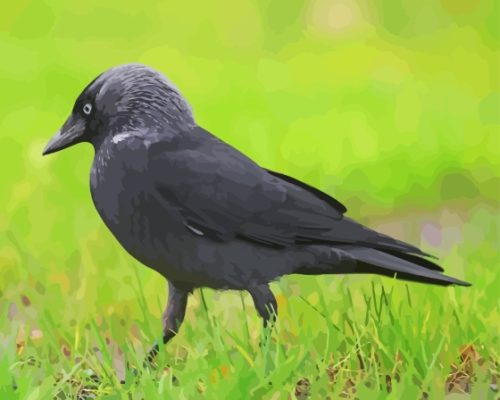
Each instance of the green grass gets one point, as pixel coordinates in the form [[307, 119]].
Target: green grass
[[351, 335]]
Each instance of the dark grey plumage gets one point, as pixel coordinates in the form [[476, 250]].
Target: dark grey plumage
[[200, 213]]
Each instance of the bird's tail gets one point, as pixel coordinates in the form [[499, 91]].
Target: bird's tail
[[410, 268], [365, 260]]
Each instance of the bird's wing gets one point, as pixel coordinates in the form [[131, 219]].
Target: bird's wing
[[337, 205], [223, 195]]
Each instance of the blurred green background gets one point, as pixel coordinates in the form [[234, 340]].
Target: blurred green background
[[393, 107]]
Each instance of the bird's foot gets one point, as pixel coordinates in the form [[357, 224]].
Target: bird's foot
[[150, 360]]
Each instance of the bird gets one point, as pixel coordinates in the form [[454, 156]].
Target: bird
[[202, 214]]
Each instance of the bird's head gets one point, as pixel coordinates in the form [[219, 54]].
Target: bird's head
[[124, 98]]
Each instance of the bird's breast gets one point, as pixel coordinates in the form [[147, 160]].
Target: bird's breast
[[128, 204]]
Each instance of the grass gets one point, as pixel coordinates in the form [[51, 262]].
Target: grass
[[364, 337]]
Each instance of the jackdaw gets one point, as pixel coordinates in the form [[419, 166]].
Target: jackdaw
[[201, 213]]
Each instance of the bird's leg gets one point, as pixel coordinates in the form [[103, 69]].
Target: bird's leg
[[172, 316], [265, 303]]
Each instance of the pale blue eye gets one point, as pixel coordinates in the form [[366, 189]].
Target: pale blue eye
[[87, 108]]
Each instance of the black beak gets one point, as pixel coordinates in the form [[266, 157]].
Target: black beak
[[71, 133]]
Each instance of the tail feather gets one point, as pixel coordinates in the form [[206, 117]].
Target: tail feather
[[411, 268], [414, 259]]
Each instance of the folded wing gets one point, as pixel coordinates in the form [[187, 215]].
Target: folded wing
[[224, 195]]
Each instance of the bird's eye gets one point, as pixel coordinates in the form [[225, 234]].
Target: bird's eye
[[87, 108]]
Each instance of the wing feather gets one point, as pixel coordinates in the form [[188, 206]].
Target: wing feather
[[222, 193]]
